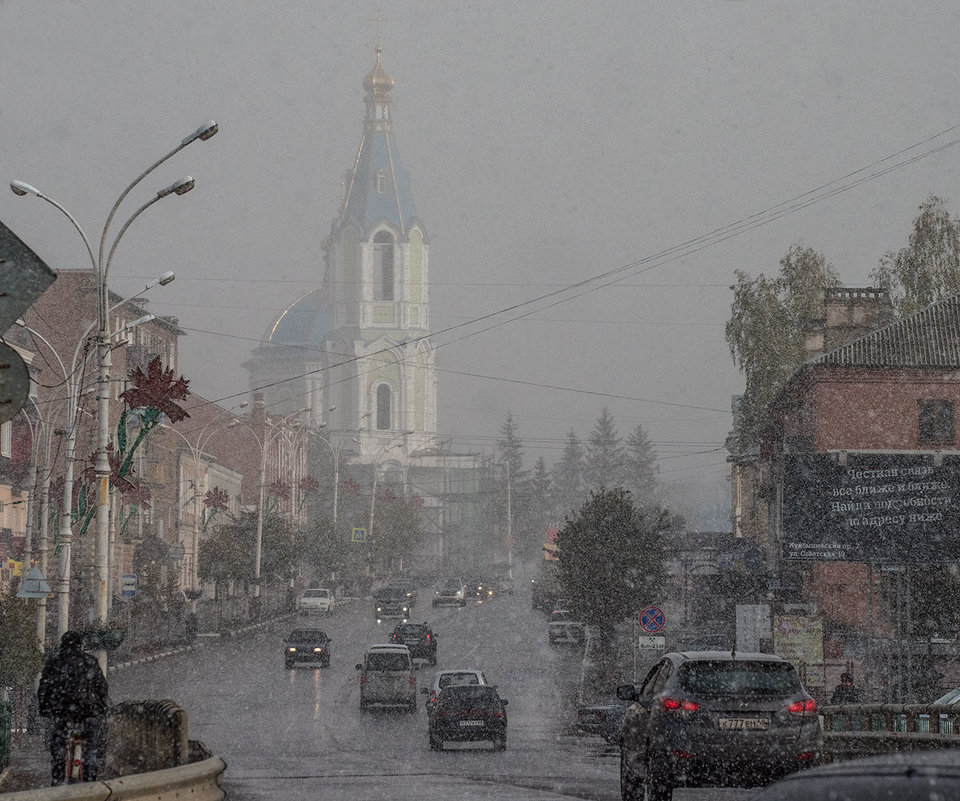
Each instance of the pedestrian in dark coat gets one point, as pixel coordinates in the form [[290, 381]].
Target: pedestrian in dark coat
[[845, 692], [73, 697]]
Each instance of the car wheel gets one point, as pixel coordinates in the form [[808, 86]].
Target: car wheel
[[436, 744], [412, 706], [287, 664], [463, 602], [656, 784], [500, 743], [326, 663], [630, 787]]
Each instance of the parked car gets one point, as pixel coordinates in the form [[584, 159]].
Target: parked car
[[450, 592], [564, 629], [467, 713], [391, 602], [715, 718], [419, 638], [603, 719], [306, 645], [316, 599], [900, 775], [444, 678], [387, 678]]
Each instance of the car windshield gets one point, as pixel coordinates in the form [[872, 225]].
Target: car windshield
[[728, 677], [385, 661], [411, 631], [467, 694], [448, 679], [316, 594], [307, 634]]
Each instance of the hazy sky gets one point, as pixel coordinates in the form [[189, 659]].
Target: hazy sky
[[548, 143]]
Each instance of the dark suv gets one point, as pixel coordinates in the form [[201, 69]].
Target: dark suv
[[306, 645], [419, 638], [391, 602], [467, 712], [715, 718]]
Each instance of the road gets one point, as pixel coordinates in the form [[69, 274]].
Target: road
[[299, 734]]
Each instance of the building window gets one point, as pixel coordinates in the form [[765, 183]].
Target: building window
[[383, 266], [383, 407], [6, 439], [381, 182], [936, 422]]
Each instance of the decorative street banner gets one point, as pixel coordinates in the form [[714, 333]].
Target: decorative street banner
[[876, 508]]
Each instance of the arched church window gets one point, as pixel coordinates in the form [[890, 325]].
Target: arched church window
[[381, 182], [383, 266], [384, 398]]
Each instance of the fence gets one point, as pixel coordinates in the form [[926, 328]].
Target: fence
[[856, 730]]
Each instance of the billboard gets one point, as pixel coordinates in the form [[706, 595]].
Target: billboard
[[895, 508]]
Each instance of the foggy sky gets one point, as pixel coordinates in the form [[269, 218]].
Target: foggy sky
[[547, 143]]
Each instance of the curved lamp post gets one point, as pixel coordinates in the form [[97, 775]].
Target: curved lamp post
[[101, 268], [271, 431], [196, 447]]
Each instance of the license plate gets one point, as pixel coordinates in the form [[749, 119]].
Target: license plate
[[471, 722], [751, 724]]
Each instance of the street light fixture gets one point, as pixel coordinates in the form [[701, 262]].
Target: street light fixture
[[101, 268]]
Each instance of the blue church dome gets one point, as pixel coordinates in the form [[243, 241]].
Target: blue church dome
[[303, 322]]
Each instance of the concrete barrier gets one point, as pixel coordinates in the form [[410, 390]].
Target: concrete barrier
[[201, 781]]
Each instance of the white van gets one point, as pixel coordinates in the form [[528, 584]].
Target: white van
[[387, 678]]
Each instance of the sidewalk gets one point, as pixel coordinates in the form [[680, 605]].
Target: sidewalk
[[29, 767]]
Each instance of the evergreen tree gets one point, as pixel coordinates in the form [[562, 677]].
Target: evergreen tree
[[604, 456], [540, 512], [641, 467], [568, 477]]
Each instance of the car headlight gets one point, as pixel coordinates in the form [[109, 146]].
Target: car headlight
[[318, 650], [379, 608], [292, 650]]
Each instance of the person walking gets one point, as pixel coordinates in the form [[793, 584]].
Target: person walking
[[845, 692], [73, 697]]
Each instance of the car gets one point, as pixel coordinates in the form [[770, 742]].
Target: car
[[564, 629], [715, 718], [444, 678], [306, 645], [604, 720], [419, 638], [316, 599], [391, 602], [467, 713], [450, 592], [900, 775], [387, 678]]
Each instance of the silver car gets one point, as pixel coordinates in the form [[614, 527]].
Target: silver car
[[715, 718], [387, 678]]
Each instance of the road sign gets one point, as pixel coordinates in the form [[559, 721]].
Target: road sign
[[128, 585], [652, 619], [359, 535], [651, 642], [34, 585]]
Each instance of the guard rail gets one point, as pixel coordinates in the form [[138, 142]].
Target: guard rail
[[857, 730]]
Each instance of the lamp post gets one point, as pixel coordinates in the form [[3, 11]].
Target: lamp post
[[389, 445], [272, 429], [101, 269], [196, 448]]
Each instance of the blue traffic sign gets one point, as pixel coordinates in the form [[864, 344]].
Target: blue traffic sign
[[652, 619]]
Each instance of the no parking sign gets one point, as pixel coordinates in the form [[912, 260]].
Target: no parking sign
[[652, 619]]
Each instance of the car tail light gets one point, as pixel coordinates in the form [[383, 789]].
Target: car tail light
[[363, 678], [413, 679], [678, 705], [498, 713], [805, 709], [428, 638]]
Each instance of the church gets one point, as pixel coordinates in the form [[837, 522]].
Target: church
[[356, 351]]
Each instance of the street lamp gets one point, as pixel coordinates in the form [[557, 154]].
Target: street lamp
[[275, 430], [72, 379], [101, 268], [390, 445], [196, 448]]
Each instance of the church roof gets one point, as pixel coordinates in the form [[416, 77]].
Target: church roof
[[927, 338], [378, 188], [303, 322]]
